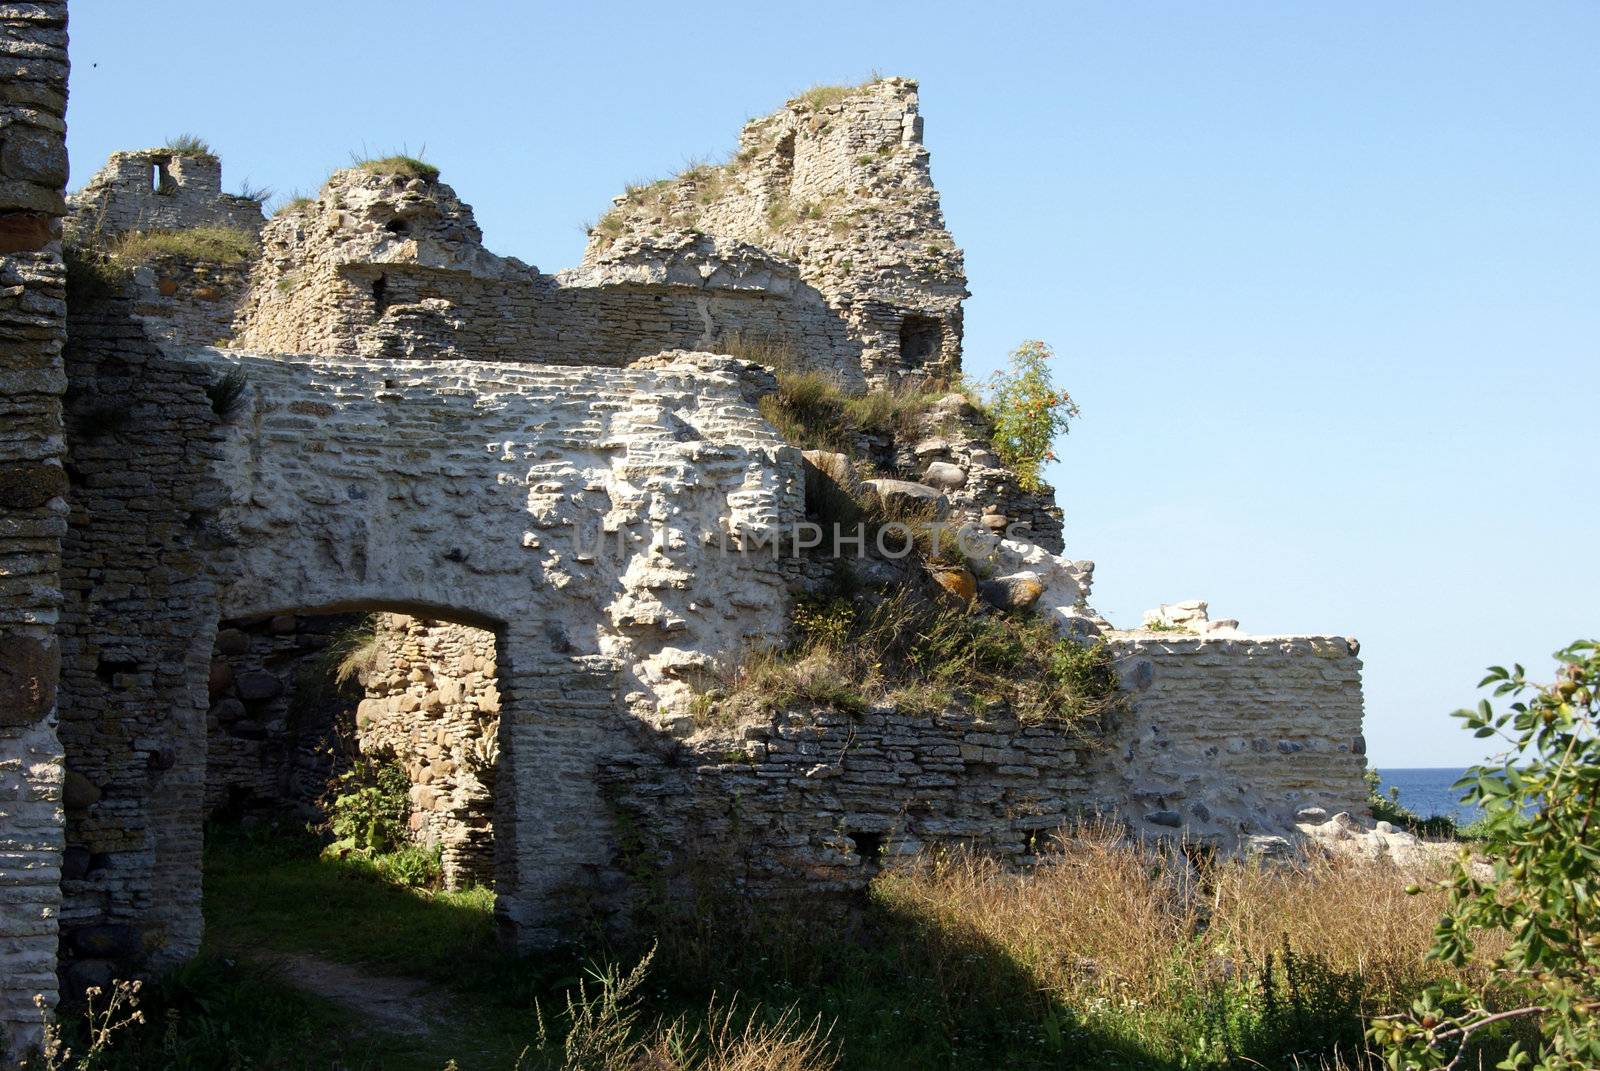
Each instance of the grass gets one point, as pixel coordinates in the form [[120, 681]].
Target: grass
[[918, 653], [819, 97], [218, 244], [1110, 954], [400, 164], [294, 204], [190, 145], [227, 393], [812, 411]]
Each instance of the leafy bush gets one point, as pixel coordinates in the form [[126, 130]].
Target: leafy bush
[[1539, 799], [1028, 412], [411, 866], [369, 806]]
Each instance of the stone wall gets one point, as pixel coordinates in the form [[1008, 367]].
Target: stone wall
[[431, 701], [390, 266], [136, 631], [33, 173], [279, 727], [1223, 742], [160, 190], [188, 301]]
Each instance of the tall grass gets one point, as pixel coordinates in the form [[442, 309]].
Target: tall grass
[[920, 653]]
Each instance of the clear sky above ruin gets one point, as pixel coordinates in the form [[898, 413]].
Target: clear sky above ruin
[[1323, 277]]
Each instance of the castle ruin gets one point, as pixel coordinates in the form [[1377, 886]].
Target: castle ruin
[[560, 498]]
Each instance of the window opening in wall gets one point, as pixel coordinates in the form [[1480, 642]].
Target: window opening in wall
[[920, 339], [161, 179], [380, 295]]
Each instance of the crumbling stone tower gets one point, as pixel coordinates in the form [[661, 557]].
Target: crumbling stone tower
[[836, 182]]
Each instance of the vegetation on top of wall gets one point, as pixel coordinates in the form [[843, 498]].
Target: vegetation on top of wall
[[399, 164], [210, 242], [92, 274], [922, 654], [190, 145], [293, 203], [251, 192], [821, 96], [812, 411]]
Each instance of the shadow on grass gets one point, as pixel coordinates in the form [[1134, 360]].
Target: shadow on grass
[[896, 989]]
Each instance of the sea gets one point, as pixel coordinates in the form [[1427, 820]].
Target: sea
[[1427, 791]]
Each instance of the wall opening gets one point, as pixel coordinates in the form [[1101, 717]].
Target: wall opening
[[921, 338], [380, 296], [783, 157], [317, 720], [161, 180]]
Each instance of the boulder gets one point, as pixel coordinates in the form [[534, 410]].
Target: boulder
[[29, 668], [231, 641], [945, 476], [221, 678], [958, 582], [1018, 591], [79, 792], [257, 686], [905, 497], [833, 490]]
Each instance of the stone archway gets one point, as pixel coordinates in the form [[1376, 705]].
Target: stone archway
[[566, 508], [563, 508]]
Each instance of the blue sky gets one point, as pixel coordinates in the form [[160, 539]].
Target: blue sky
[[1322, 276]]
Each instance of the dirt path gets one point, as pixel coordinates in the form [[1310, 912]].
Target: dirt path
[[396, 1005]]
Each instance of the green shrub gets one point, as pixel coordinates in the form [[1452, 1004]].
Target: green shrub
[[1390, 809], [1540, 836], [369, 805], [1028, 412], [411, 866]]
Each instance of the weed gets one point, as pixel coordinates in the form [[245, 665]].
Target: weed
[[226, 393], [259, 194]]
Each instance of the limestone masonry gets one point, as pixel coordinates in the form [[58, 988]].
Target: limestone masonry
[[543, 508]]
